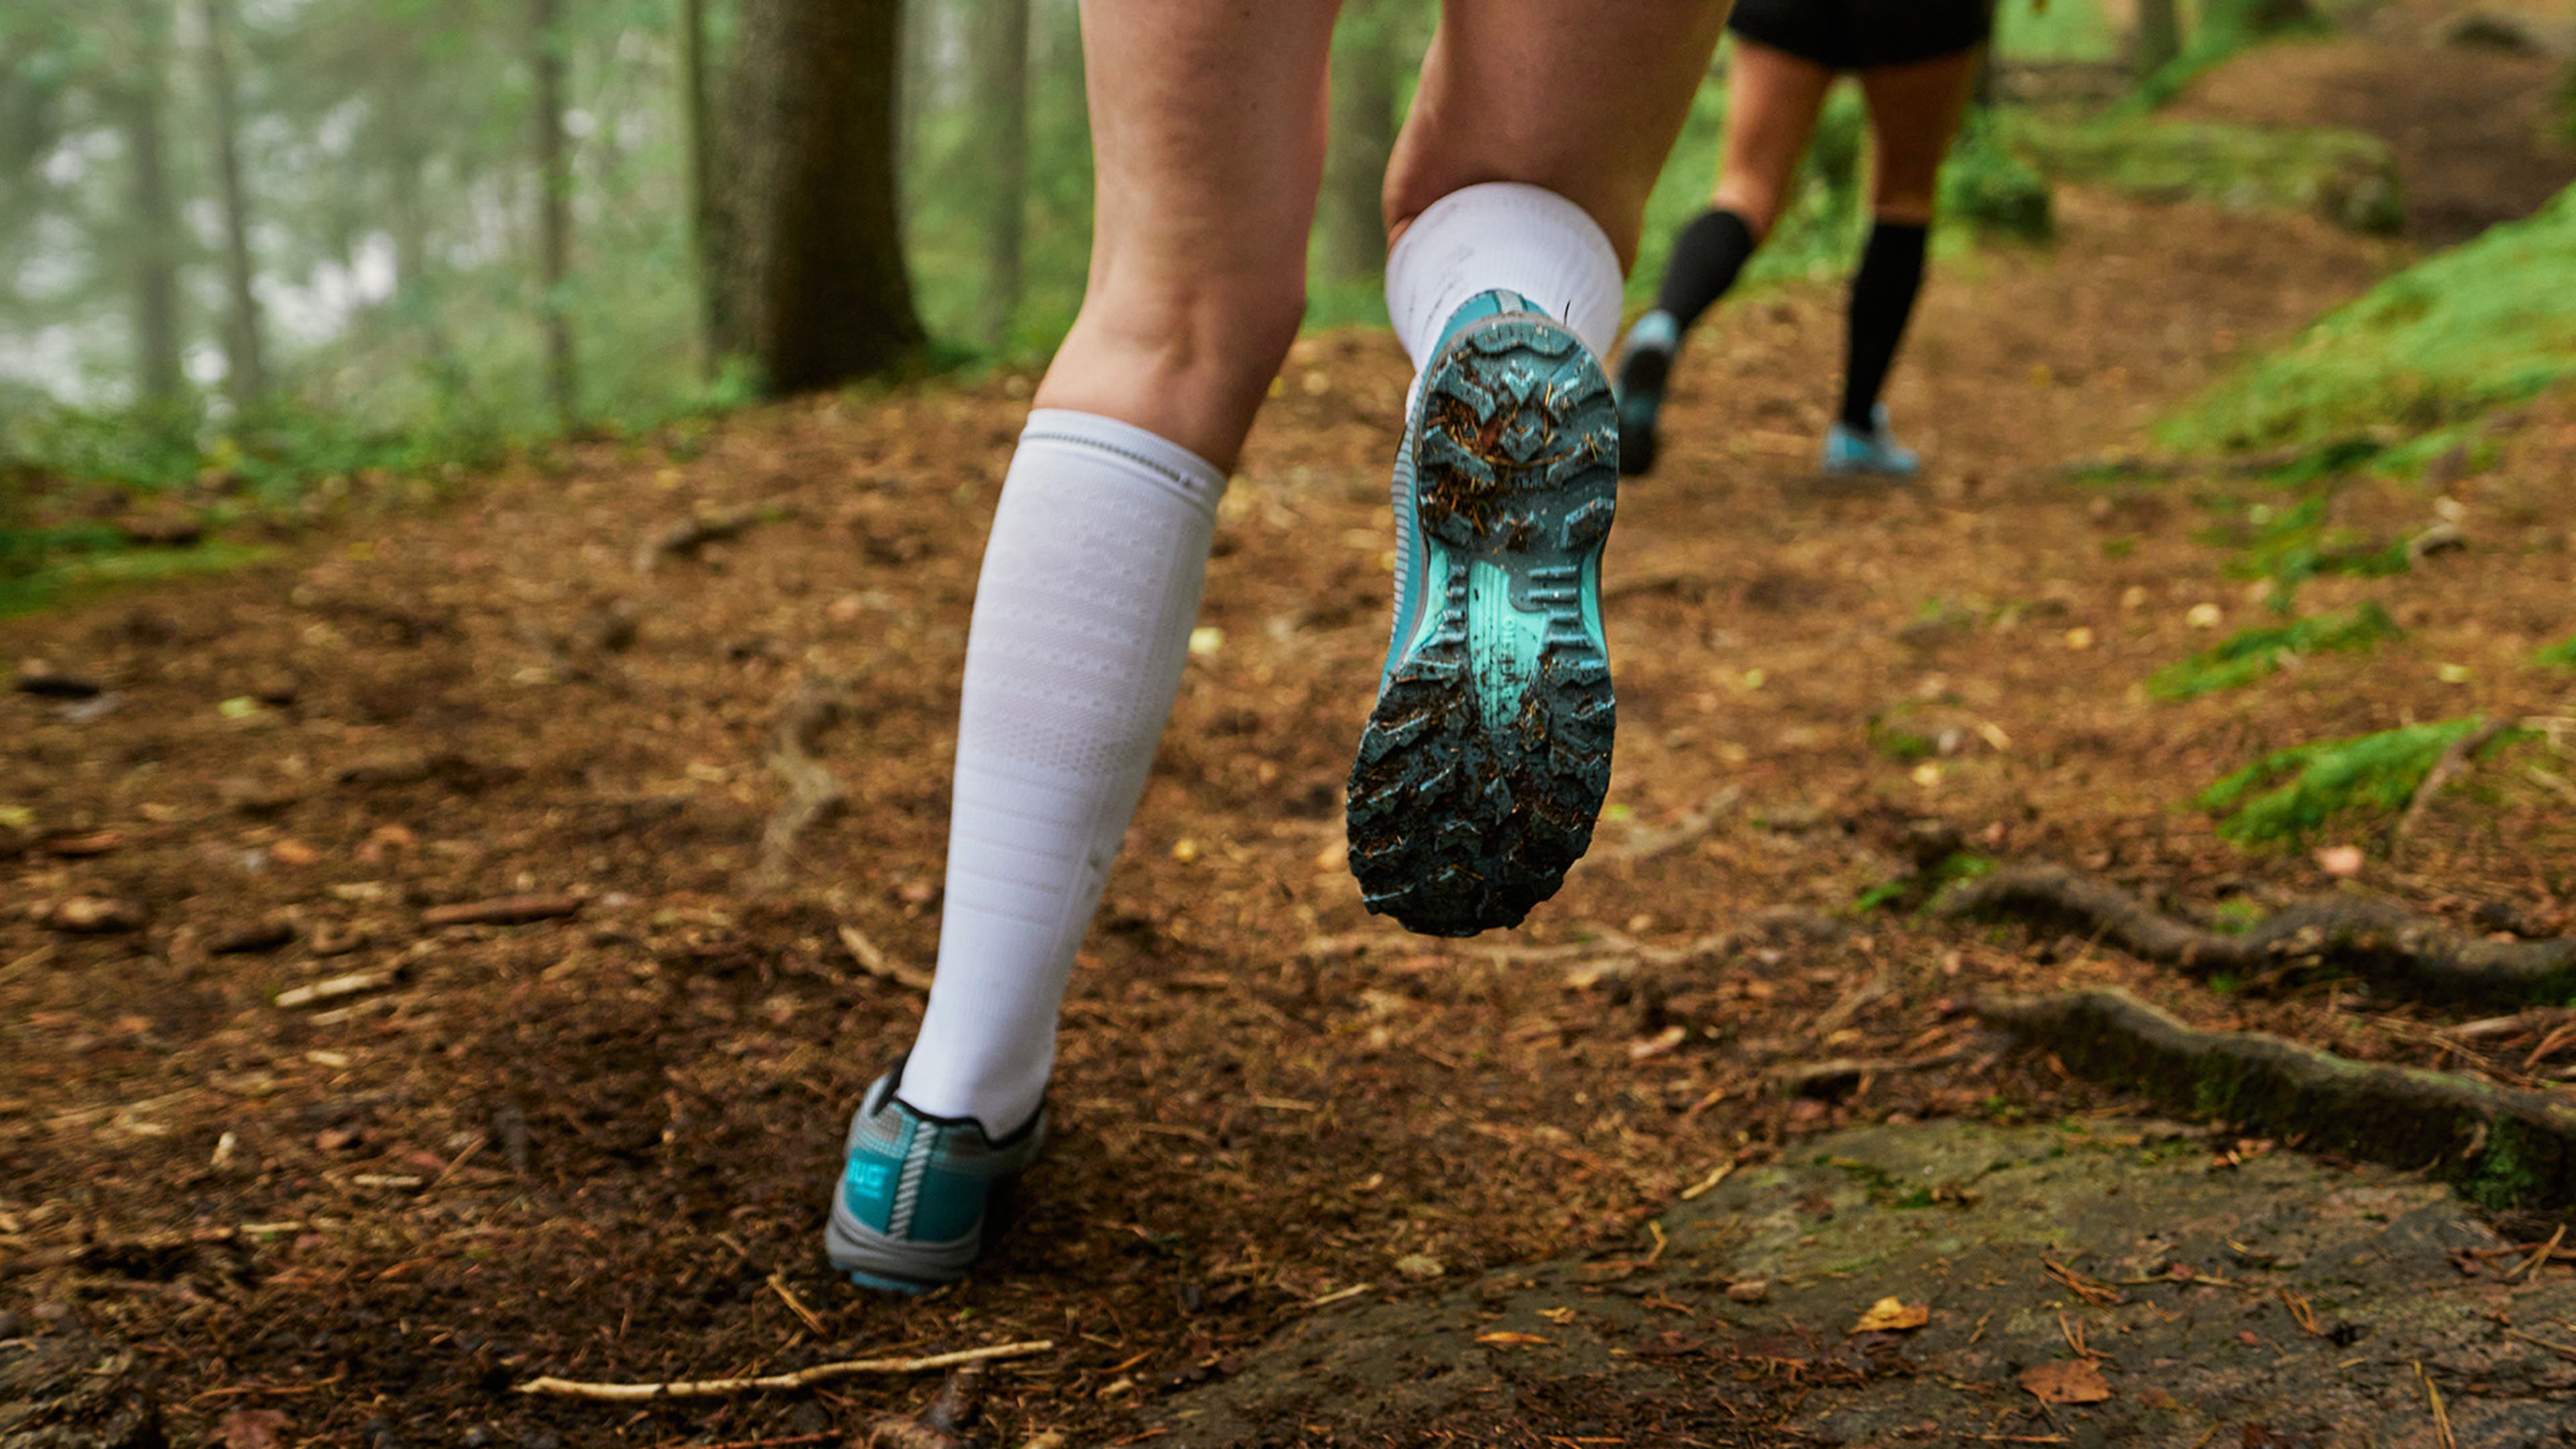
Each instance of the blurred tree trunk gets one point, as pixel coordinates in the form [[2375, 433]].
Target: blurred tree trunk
[[695, 122], [815, 291], [2158, 42], [246, 370], [1363, 133], [554, 208], [1001, 111], [159, 371]]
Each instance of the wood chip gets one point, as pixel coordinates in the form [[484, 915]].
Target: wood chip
[[94, 916], [336, 987], [1893, 1315], [502, 911], [81, 845]]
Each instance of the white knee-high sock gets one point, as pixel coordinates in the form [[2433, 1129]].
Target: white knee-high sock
[[1081, 628], [1504, 234]]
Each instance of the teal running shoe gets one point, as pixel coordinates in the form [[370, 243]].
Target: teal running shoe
[[1849, 452], [1485, 761], [910, 1211], [1646, 361]]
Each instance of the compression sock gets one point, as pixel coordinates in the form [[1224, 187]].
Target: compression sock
[[1502, 235], [1882, 300], [1081, 628], [1707, 255]]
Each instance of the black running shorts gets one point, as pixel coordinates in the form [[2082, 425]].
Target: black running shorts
[[1860, 34]]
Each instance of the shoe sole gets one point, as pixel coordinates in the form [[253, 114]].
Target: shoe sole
[[1486, 759]]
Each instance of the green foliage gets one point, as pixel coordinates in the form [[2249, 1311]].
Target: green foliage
[[1988, 185], [2512, 1172], [2055, 30], [2557, 656], [2253, 654], [2348, 178], [2291, 545], [2485, 324], [2223, 29], [2375, 771]]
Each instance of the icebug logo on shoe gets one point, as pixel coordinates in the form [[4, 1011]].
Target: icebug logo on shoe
[[867, 1183]]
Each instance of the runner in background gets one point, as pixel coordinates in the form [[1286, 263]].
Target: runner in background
[[1916, 61]]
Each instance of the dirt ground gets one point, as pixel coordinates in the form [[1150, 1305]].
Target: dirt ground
[[597, 1144]]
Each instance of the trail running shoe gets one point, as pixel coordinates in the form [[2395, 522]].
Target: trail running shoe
[[1648, 361], [909, 1212], [1486, 758], [1875, 454]]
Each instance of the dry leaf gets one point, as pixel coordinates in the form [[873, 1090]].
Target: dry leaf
[[1891, 1315], [1510, 1340], [252, 1428], [2066, 1381]]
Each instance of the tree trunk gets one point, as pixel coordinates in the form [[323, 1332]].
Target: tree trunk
[[246, 370], [2158, 42], [1363, 133], [159, 371], [695, 122], [1002, 116], [815, 288], [554, 210]]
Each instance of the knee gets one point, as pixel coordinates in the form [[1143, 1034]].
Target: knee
[[1225, 334]]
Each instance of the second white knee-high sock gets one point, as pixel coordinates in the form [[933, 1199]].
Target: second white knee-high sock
[[1082, 623], [1504, 234]]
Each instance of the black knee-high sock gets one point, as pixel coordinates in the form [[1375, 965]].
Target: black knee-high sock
[[1882, 299], [1706, 256]]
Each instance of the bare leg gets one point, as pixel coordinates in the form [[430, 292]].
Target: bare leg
[[1914, 112], [1772, 101], [1582, 97], [1207, 129]]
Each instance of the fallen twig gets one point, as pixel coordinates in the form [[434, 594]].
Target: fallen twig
[[813, 791], [2401, 1115], [1692, 828], [502, 911], [2436, 780], [2378, 939], [821, 1373], [873, 960]]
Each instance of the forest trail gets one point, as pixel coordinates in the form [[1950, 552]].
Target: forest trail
[[595, 1143]]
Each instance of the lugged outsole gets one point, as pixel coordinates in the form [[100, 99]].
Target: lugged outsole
[[1459, 823]]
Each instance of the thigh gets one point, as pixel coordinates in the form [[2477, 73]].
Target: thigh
[[1772, 101], [1914, 110], [1207, 134], [1583, 97]]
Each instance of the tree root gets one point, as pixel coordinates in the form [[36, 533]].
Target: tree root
[[2504, 1146], [813, 791], [2410, 953], [685, 538]]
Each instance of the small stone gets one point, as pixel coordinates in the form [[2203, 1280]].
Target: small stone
[[94, 916], [1749, 1290]]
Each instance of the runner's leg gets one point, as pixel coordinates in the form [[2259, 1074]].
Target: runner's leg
[[1772, 101], [1208, 129], [1914, 110]]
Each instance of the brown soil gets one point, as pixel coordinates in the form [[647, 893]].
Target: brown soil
[[597, 1146], [2480, 134]]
